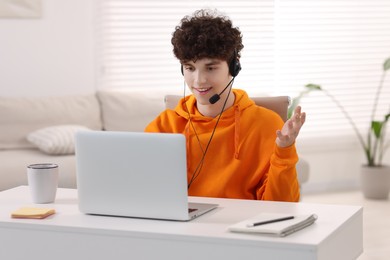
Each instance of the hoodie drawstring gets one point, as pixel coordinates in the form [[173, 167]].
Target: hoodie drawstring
[[236, 131]]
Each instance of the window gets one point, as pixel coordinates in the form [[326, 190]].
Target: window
[[134, 42], [339, 45]]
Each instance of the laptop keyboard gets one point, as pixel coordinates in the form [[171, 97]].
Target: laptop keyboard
[[191, 210]]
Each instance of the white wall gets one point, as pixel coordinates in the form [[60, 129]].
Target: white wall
[[334, 163], [52, 55]]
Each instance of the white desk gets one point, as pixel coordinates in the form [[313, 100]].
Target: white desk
[[337, 234]]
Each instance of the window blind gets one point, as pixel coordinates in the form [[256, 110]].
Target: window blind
[[339, 45], [134, 42]]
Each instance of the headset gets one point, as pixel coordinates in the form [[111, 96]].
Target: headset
[[234, 66]]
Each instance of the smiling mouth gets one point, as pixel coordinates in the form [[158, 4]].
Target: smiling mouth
[[202, 91]]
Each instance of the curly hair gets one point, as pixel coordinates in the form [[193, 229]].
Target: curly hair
[[206, 35]]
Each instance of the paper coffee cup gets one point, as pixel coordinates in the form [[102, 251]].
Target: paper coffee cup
[[43, 182]]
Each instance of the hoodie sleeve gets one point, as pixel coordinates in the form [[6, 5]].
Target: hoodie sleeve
[[161, 124], [167, 122], [154, 126], [281, 183]]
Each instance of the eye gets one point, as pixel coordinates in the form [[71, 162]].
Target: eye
[[189, 68], [211, 68]]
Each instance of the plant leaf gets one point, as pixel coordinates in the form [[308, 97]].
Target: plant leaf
[[386, 64], [387, 117], [314, 86], [376, 127]]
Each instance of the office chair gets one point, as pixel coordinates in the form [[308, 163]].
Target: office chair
[[278, 104]]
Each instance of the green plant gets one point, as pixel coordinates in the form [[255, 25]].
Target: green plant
[[374, 145]]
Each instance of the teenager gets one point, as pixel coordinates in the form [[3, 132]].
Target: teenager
[[235, 149]]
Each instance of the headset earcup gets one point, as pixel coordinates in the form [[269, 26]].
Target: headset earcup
[[234, 67]]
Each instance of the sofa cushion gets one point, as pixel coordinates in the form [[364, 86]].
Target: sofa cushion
[[129, 110], [19, 116], [58, 140]]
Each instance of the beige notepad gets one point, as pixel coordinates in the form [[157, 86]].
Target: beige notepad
[[34, 213]]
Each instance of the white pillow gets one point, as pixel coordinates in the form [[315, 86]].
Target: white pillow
[[56, 140]]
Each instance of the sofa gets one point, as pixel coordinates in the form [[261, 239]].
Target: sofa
[[41, 129]]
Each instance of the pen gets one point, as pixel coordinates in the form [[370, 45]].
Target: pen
[[269, 221]]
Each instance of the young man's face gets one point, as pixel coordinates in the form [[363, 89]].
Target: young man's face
[[206, 77]]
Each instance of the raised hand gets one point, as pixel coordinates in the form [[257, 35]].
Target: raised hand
[[288, 134]]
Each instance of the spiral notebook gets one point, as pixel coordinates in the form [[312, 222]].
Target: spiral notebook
[[278, 228]]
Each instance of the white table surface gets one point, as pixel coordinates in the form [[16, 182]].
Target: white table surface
[[69, 234]]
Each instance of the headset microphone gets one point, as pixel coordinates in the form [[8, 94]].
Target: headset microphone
[[217, 97], [214, 99]]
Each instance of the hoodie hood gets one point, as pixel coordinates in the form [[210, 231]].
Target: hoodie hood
[[186, 108]]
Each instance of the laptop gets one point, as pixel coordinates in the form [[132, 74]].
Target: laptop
[[134, 174]]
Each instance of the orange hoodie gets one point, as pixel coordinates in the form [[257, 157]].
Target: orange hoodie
[[242, 160]]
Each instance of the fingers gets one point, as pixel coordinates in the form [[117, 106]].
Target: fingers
[[297, 110], [283, 140], [296, 123], [299, 117], [303, 118]]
